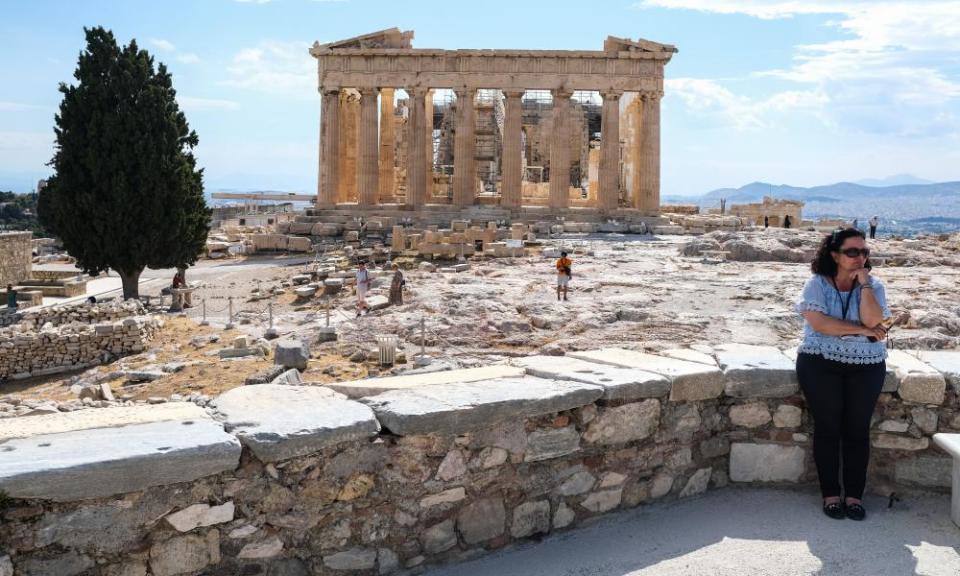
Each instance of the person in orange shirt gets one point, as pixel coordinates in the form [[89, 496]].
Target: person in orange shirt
[[563, 274]]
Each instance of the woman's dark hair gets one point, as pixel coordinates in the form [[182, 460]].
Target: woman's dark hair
[[823, 263]]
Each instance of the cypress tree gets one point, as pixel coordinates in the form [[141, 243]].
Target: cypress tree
[[126, 192]]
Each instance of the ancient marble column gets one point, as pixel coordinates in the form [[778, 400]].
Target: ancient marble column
[[417, 148], [348, 150], [560, 151], [464, 152], [368, 171], [510, 185], [388, 146], [650, 154], [428, 128], [609, 198], [329, 148]]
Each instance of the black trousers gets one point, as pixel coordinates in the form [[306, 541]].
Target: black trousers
[[841, 397], [873, 232]]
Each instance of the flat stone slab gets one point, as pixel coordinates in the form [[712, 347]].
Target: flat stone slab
[[947, 362], [456, 408], [689, 355], [756, 371], [279, 422], [374, 386], [99, 462], [100, 418], [919, 382], [689, 381], [618, 383]]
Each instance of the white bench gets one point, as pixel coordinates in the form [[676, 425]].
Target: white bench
[[951, 444]]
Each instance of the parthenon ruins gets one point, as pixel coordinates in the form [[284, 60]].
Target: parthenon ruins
[[538, 133]]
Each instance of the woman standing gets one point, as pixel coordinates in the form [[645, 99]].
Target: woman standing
[[396, 286], [841, 365]]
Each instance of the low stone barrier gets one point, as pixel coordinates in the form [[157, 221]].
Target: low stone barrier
[[53, 350], [82, 313], [304, 480]]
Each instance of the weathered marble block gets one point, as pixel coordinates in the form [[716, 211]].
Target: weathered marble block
[[919, 382], [94, 463], [456, 408], [279, 422], [689, 381], [618, 383], [756, 371]]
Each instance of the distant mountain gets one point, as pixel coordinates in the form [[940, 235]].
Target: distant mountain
[[895, 180], [839, 192], [907, 208]]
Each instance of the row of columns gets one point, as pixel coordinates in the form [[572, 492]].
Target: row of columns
[[375, 166]]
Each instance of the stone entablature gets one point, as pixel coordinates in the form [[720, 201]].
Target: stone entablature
[[431, 468], [357, 79], [501, 69]]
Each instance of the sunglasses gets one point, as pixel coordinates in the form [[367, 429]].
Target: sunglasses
[[854, 252]]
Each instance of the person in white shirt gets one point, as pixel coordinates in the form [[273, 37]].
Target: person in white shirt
[[873, 227], [363, 285]]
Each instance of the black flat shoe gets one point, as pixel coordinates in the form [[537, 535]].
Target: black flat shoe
[[856, 512], [833, 510]]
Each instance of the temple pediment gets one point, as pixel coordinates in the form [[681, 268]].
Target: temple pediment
[[614, 44], [388, 38]]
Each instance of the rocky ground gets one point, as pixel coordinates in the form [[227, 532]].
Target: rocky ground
[[639, 292]]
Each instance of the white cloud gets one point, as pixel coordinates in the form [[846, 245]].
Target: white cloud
[[164, 45], [708, 98], [190, 104], [894, 71], [188, 58], [275, 67]]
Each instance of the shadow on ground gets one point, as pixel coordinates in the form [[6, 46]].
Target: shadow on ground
[[743, 532]]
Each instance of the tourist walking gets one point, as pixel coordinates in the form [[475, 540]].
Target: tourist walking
[[564, 272], [841, 364], [11, 297], [766, 222], [363, 285], [786, 221], [873, 227], [396, 286]]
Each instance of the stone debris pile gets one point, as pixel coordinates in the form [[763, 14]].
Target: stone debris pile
[[64, 338]]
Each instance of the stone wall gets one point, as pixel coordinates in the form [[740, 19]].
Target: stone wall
[[16, 257], [298, 480], [52, 350], [83, 313]]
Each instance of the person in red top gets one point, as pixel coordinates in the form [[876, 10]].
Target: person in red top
[[563, 274]]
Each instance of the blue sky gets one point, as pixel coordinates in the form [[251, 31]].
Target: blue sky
[[783, 91]]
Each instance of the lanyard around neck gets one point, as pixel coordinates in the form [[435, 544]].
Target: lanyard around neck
[[844, 306]]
